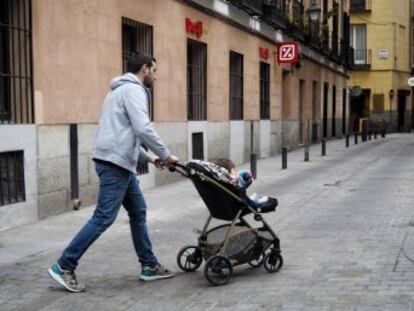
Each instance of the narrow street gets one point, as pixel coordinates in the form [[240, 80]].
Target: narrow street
[[345, 222]]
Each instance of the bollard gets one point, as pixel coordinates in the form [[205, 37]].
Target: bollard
[[356, 139], [375, 135], [369, 135], [284, 158], [253, 165], [347, 140], [306, 152], [324, 147]]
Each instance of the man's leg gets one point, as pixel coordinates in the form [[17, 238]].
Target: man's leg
[[134, 203], [113, 184]]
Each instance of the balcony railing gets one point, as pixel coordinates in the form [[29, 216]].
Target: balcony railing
[[360, 6], [361, 59], [276, 13], [253, 7]]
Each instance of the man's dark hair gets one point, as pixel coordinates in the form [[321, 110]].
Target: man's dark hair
[[225, 163], [137, 60]]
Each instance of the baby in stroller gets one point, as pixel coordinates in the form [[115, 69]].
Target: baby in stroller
[[242, 179]]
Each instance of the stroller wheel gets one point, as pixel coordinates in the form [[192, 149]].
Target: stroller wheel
[[218, 270], [256, 263], [273, 261], [189, 258]]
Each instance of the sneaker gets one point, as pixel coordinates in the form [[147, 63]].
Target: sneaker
[[65, 278], [154, 273]]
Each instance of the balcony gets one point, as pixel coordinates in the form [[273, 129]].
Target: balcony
[[361, 6], [361, 60], [276, 13], [253, 7], [312, 35]]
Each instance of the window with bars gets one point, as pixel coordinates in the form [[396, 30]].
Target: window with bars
[[12, 188], [196, 80], [16, 83], [138, 38], [264, 90], [236, 86], [198, 146]]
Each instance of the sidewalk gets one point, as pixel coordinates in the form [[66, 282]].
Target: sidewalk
[[342, 219]]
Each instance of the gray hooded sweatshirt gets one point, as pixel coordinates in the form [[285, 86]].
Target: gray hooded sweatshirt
[[124, 125]]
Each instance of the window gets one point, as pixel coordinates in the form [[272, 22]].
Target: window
[[358, 40], [236, 86], [196, 80], [16, 83], [137, 38], [198, 146], [12, 177], [314, 99], [264, 90]]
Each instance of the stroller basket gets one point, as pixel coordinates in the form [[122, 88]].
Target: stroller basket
[[243, 245]]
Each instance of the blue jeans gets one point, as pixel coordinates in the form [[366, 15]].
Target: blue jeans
[[117, 187]]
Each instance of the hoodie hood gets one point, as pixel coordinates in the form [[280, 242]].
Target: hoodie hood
[[126, 78]]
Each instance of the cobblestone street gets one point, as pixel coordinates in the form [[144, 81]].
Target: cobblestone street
[[343, 220]]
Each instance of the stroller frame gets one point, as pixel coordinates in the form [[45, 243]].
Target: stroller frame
[[217, 262]]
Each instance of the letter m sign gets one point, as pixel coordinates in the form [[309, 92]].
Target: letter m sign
[[287, 52]]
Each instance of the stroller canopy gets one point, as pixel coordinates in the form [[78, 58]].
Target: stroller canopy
[[221, 204]]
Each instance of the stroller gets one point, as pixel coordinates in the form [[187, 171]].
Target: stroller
[[235, 242]]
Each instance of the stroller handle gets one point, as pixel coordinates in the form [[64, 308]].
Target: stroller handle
[[178, 167]]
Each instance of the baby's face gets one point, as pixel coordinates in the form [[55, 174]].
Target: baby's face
[[233, 172]]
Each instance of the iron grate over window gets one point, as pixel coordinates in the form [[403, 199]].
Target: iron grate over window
[[264, 90], [196, 80], [236, 86], [198, 146], [16, 82], [12, 188], [138, 38]]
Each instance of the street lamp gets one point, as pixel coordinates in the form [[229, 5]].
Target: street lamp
[[314, 12]]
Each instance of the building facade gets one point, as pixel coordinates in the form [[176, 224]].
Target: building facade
[[220, 92], [381, 37]]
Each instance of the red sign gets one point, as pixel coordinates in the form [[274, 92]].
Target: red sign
[[287, 52], [263, 53], [195, 28]]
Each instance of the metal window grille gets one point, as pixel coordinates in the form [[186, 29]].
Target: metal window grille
[[138, 38], [236, 86], [198, 146], [12, 188], [196, 80], [16, 83], [264, 90]]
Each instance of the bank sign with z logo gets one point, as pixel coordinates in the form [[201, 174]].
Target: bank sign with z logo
[[287, 52]]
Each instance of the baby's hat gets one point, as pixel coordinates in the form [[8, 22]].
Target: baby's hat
[[245, 177]]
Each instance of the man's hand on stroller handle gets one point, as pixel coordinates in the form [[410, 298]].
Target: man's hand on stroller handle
[[169, 161]]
